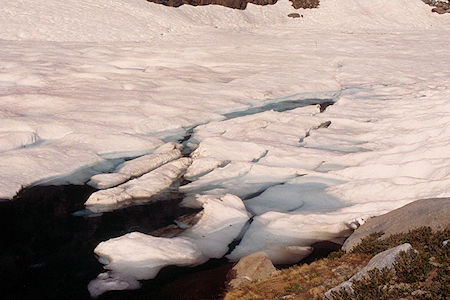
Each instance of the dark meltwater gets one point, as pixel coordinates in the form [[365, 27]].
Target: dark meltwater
[[47, 252], [281, 106]]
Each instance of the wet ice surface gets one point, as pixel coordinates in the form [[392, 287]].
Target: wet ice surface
[[84, 102]]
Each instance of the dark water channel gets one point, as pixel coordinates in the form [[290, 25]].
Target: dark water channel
[[281, 106], [47, 253]]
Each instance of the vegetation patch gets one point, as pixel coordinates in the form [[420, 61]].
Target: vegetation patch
[[306, 281], [419, 274]]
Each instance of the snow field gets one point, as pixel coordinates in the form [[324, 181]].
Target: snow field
[[82, 92]]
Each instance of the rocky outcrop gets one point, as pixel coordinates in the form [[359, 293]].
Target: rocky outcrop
[[385, 259], [239, 4], [305, 3], [253, 267], [440, 7], [428, 212]]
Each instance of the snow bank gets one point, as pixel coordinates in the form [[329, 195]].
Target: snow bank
[[135, 20], [58, 58]]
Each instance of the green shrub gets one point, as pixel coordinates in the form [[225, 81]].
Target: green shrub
[[423, 273], [412, 266]]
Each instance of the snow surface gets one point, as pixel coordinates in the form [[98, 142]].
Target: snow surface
[[87, 85]]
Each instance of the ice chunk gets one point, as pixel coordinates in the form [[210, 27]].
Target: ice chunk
[[139, 190], [137, 256], [107, 180], [222, 220], [109, 281], [144, 164], [133, 168]]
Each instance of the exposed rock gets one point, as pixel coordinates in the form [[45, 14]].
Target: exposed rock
[[294, 15], [441, 10], [428, 212], [440, 6], [239, 4], [382, 260], [305, 3], [253, 267]]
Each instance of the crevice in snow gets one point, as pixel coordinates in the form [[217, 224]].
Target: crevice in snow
[[262, 156], [281, 106], [258, 193]]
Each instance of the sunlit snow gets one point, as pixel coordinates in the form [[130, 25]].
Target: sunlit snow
[[102, 92]]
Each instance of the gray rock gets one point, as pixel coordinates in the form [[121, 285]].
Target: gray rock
[[428, 212], [252, 267], [294, 15], [382, 260]]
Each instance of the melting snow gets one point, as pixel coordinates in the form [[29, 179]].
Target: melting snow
[[85, 86]]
